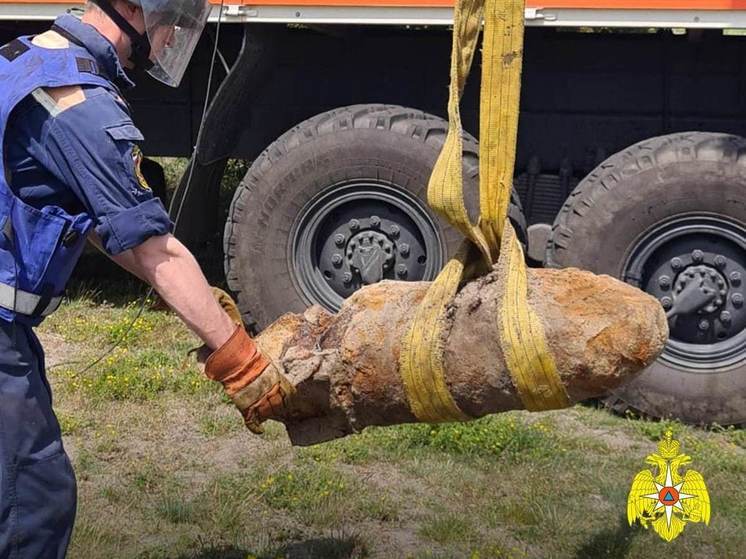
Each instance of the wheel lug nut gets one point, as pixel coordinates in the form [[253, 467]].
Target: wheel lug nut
[[401, 271], [664, 282], [704, 325], [720, 261], [395, 231], [698, 255], [404, 249], [737, 300], [667, 303], [354, 225], [346, 278], [339, 239], [676, 263], [725, 317], [337, 259], [375, 221], [735, 278]]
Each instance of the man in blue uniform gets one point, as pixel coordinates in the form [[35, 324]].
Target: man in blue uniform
[[69, 172]]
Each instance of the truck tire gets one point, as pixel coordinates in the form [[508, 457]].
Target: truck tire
[[664, 214], [337, 202]]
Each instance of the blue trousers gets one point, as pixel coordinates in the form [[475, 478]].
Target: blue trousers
[[37, 484]]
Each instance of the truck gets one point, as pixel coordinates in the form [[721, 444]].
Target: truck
[[631, 159]]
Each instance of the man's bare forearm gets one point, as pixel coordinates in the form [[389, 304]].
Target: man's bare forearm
[[124, 260], [166, 264]]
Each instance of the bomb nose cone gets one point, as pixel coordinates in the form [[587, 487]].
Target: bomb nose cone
[[611, 330]]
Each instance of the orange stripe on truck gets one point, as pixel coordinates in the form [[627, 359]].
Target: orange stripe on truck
[[581, 4]]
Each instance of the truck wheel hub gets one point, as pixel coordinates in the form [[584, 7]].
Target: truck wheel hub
[[694, 266], [358, 233], [707, 281], [370, 254]]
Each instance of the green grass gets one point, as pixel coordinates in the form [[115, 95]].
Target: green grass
[[174, 508], [173, 169], [651, 429], [217, 424], [71, 424], [311, 494], [447, 528], [735, 436], [498, 436], [135, 377], [137, 356]]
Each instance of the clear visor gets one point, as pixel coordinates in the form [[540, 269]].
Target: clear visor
[[173, 34]]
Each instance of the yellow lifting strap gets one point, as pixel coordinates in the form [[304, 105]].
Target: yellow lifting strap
[[521, 333]]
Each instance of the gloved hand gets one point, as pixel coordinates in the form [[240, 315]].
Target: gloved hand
[[229, 305], [257, 387]]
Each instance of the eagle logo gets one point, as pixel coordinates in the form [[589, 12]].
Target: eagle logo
[[667, 500], [137, 158]]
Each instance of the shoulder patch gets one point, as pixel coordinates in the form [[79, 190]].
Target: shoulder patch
[[13, 50], [58, 99], [137, 160], [51, 40]]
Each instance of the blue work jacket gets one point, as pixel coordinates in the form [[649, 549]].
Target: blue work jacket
[[66, 170]]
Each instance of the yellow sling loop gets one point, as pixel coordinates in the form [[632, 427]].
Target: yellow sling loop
[[521, 333]]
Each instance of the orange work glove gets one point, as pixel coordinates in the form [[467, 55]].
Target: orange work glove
[[229, 305], [254, 384]]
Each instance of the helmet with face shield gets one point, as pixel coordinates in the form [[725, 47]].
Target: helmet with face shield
[[172, 29]]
